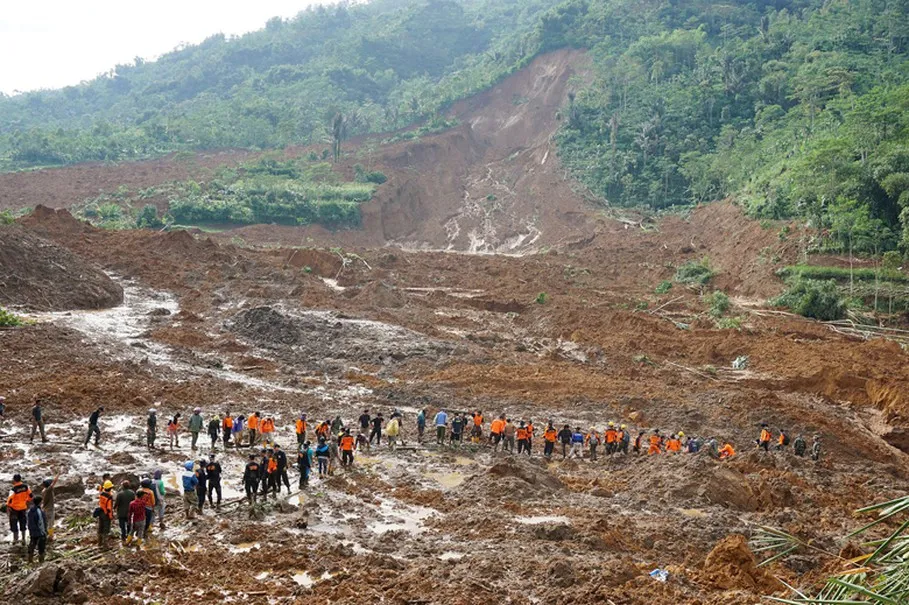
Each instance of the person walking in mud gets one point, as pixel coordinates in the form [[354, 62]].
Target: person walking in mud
[[173, 431], [195, 425], [765, 438], [592, 440], [37, 422], [93, 428], [105, 513], [238, 430], [799, 446], [347, 449], [304, 463], [151, 428], [160, 493], [638, 443], [213, 473], [251, 479], [476, 426], [36, 521], [300, 428], [376, 432], [17, 507], [421, 425], [202, 485], [816, 448], [457, 430], [392, 431], [122, 501], [48, 499], [337, 426], [508, 436], [227, 425], [441, 424], [214, 430], [624, 439], [146, 493], [565, 440], [136, 521], [281, 459], [252, 425], [521, 435], [364, 421], [323, 455], [190, 482], [550, 436], [577, 443], [271, 474], [495, 432]]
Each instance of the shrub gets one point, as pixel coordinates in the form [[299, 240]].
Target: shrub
[[718, 302], [663, 287], [695, 272], [148, 218], [8, 319], [842, 273], [376, 177], [6, 218], [541, 298], [729, 323], [812, 298]]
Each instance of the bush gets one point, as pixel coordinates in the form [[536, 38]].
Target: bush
[[663, 287], [841, 273], [6, 218], [541, 298], [812, 298], [718, 302], [695, 272], [376, 177], [8, 319], [148, 218]]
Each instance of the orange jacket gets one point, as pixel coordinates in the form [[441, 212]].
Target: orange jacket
[[522, 434], [252, 422], [550, 435], [227, 423], [268, 426], [674, 445], [620, 436], [478, 419], [347, 443], [655, 442], [20, 497], [611, 436], [765, 436], [301, 426], [106, 503], [592, 436], [726, 452], [781, 439], [530, 430], [147, 497], [323, 429], [272, 466], [497, 426]]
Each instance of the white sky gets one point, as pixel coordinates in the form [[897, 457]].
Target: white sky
[[55, 43]]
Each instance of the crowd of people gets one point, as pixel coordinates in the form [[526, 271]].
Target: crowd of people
[[136, 507]]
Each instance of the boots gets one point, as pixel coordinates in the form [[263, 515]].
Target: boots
[[40, 557], [31, 557]]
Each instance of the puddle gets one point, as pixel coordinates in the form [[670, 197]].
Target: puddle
[[307, 581], [447, 480], [400, 518], [542, 519]]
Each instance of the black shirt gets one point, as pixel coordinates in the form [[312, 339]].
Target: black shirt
[[36, 413], [377, 423], [565, 435], [93, 419], [457, 425], [251, 474], [152, 422], [281, 460], [213, 469], [364, 421]]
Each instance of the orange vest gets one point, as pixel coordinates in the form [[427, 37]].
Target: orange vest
[[323, 429], [674, 445], [106, 503], [272, 465], [620, 436], [726, 451], [478, 419], [228, 423], [268, 426], [522, 434], [147, 497], [19, 499], [347, 443], [253, 422], [550, 435], [782, 439], [301, 426], [765, 436], [529, 430], [655, 442], [611, 436], [497, 426]]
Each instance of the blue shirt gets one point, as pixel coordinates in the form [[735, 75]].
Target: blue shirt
[[421, 419], [189, 481], [577, 438], [441, 419]]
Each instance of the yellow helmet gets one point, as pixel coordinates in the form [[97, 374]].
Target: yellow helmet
[[108, 485], [624, 426], [611, 423], [681, 434]]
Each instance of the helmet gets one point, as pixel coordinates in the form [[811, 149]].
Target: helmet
[[108, 485], [624, 426], [611, 423], [152, 411], [197, 410], [188, 465], [681, 434]]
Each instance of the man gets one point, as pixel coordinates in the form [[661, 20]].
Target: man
[[550, 435], [392, 431], [93, 428], [334, 452], [195, 426], [656, 443], [37, 422], [201, 486], [151, 428], [227, 427], [361, 443], [304, 463], [160, 494], [592, 439], [36, 520], [508, 434], [301, 429], [105, 512], [457, 430], [421, 425], [495, 432], [252, 424], [638, 442], [522, 437], [267, 431], [238, 430], [764, 439], [136, 521], [323, 456], [712, 447], [337, 425], [694, 444], [376, 430], [816, 448], [271, 474], [173, 431], [281, 459], [799, 446], [2, 409], [611, 436], [726, 451], [347, 448], [529, 445], [17, 507], [364, 421], [565, 440], [577, 443], [48, 497], [674, 444], [441, 422], [783, 441], [214, 430], [624, 439], [124, 498], [251, 479], [476, 432], [146, 493], [190, 483], [213, 472]]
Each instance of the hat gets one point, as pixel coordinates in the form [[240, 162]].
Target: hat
[[108, 485], [47, 482], [188, 465], [157, 474], [197, 410], [152, 411]]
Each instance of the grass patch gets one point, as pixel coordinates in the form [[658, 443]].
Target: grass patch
[[813, 298], [695, 272], [842, 273], [663, 287], [8, 319]]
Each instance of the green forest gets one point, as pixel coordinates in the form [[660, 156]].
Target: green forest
[[796, 108]]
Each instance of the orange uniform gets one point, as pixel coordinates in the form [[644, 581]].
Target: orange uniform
[[253, 423], [301, 426], [497, 426], [522, 434], [268, 425], [611, 436], [347, 443], [20, 497], [765, 436], [674, 445], [106, 504], [530, 430], [272, 466], [655, 443], [726, 452], [478, 420], [550, 435], [227, 424]]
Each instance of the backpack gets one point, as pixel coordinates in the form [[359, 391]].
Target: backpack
[[785, 439]]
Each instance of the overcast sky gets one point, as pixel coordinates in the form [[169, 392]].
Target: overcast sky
[[54, 43]]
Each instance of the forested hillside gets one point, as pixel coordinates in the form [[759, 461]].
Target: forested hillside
[[799, 108]]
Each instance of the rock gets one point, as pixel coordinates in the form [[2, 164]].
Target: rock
[[526, 472], [51, 580], [731, 566], [555, 532], [69, 487], [159, 312], [561, 573], [618, 571], [119, 478]]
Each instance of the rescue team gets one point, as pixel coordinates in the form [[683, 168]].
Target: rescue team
[[267, 471]]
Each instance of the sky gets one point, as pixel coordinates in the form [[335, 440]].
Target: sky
[[55, 43]]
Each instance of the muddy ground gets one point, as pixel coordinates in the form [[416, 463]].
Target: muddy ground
[[284, 330]]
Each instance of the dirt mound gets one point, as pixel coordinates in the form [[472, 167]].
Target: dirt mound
[[58, 581], [731, 566], [528, 472], [41, 275]]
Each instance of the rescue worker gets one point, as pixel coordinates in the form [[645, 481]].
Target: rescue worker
[[376, 432], [522, 438], [252, 424], [362, 442], [48, 498], [300, 429], [624, 439], [638, 442], [271, 474], [441, 422], [457, 430], [201, 486], [304, 463], [550, 435], [238, 430], [565, 440], [421, 425], [190, 482], [611, 436], [151, 428], [213, 473], [37, 422], [195, 426], [323, 454], [529, 436], [816, 448], [508, 434], [227, 428], [214, 430], [267, 431], [173, 431], [476, 431], [251, 479], [712, 447], [393, 430], [146, 493], [347, 448], [122, 501], [577, 443], [136, 521], [93, 428], [160, 493], [674, 444], [337, 425], [764, 439], [334, 455], [726, 451], [17, 507], [656, 443], [799, 446], [592, 440], [694, 444], [496, 429], [105, 512], [36, 521], [281, 459], [783, 440]]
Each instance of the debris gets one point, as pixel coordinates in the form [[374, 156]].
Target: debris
[[660, 575], [740, 362]]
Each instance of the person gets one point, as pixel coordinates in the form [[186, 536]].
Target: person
[[577, 443], [36, 521], [300, 429], [337, 425], [251, 479], [495, 432], [173, 431], [334, 455], [322, 456], [764, 439], [38, 422], [376, 431], [522, 437], [726, 451], [712, 447], [593, 441], [694, 444], [361, 442], [93, 428], [624, 439], [656, 443], [421, 425], [2, 409], [202, 485], [508, 434], [213, 472], [214, 430], [799, 446], [347, 447], [237, 431], [441, 423], [267, 431], [816, 448], [476, 431], [105, 512], [550, 435], [252, 424], [151, 428], [304, 463], [227, 427], [364, 420], [48, 498], [136, 521], [146, 493], [611, 436], [392, 431], [271, 474], [638, 442], [190, 482], [281, 459], [530, 429], [195, 426], [122, 501], [565, 440], [783, 440], [17, 507], [674, 444], [160, 493], [324, 429]]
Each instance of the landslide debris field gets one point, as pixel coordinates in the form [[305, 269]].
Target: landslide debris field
[[281, 330]]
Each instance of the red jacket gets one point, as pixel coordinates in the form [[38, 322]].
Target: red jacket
[[137, 511]]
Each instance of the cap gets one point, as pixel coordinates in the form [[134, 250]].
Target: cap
[[188, 465]]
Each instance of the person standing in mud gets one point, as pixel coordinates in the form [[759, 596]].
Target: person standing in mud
[[252, 424], [816, 448], [251, 479], [421, 425], [577, 443], [495, 432], [300, 429], [151, 428], [457, 430], [160, 493], [508, 434], [227, 426], [376, 430], [213, 472], [624, 439], [441, 423], [799, 446], [656, 443], [105, 513], [173, 431], [364, 421], [347, 449], [565, 440], [593, 442], [281, 459], [136, 521], [550, 435], [304, 463], [48, 499], [765, 438], [271, 475], [122, 501], [214, 430], [323, 455], [37, 422], [392, 431], [337, 426], [201, 486], [238, 430], [195, 426], [36, 520], [93, 428], [17, 507], [190, 482], [522, 436], [146, 493]]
